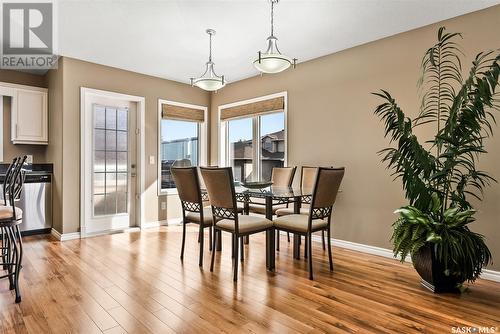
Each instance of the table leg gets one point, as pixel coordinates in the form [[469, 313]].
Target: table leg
[[269, 207], [219, 240], [296, 237], [246, 206], [246, 211], [296, 246], [270, 254]]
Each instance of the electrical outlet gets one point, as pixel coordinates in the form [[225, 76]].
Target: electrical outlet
[[29, 159], [164, 205], [151, 159]]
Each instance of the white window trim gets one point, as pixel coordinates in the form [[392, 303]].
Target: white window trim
[[203, 139], [222, 139]]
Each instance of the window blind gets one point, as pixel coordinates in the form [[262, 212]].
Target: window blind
[[249, 109], [182, 113]]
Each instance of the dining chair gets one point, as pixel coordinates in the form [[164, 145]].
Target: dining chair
[[10, 218], [307, 178], [221, 192], [325, 191], [280, 177], [187, 183]]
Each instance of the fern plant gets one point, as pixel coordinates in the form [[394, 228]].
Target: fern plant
[[440, 175]]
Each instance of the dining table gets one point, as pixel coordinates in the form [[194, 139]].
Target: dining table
[[269, 197]]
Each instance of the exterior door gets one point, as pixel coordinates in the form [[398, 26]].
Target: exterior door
[[111, 192]]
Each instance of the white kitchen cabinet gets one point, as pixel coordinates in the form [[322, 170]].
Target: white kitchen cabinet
[[29, 113]]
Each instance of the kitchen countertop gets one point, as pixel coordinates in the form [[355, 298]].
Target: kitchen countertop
[[36, 169]]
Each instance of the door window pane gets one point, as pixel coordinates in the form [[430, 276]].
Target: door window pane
[[121, 140], [110, 140], [110, 161], [122, 119], [99, 139], [121, 161], [111, 204], [241, 149], [272, 143], [179, 145], [99, 117], [110, 118]]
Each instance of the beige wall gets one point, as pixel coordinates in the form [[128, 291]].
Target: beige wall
[[331, 122], [11, 150], [78, 74], [54, 80]]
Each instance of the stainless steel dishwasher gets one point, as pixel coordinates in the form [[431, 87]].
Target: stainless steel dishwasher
[[36, 203]]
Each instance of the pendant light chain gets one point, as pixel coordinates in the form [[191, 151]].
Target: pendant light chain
[[210, 48], [272, 17]]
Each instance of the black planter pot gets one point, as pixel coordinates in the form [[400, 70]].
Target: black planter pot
[[431, 271]]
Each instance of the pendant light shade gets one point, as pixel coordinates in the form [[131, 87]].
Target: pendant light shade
[[209, 80], [272, 61]]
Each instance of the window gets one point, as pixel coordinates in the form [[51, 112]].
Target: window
[[253, 137], [181, 140]]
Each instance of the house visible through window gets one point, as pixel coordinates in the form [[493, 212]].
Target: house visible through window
[[272, 138], [242, 148], [179, 146]]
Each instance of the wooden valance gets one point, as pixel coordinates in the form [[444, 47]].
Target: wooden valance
[[182, 113], [277, 103]]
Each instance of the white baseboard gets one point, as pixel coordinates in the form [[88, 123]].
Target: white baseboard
[[166, 222], [155, 224], [487, 274], [109, 232], [65, 236], [491, 275]]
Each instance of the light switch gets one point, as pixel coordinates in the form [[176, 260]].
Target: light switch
[[151, 159], [164, 205]]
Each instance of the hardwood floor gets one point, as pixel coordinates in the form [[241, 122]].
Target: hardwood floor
[[136, 283]]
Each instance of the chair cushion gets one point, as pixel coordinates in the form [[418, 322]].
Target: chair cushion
[[194, 217], [298, 223], [6, 213], [246, 224], [261, 209], [289, 211]]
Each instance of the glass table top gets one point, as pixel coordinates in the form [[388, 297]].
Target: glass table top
[[274, 192]]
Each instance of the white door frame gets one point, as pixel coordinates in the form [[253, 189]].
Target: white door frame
[[85, 139]]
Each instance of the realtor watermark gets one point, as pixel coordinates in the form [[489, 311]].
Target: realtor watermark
[[475, 330], [27, 36]]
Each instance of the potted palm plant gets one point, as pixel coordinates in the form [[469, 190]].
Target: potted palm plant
[[440, 176]]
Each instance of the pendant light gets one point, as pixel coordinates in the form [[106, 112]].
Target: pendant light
[[272, 61], [209, 80]]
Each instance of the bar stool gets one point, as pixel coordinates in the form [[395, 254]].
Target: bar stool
[[10, 218], [6, 184]]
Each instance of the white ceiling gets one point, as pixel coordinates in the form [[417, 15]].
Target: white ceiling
[[167, 38]]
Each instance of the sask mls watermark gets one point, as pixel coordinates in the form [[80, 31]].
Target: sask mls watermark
[[27, 36]]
